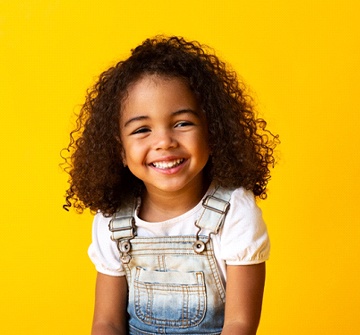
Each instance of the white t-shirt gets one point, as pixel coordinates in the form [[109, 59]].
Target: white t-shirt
[[242, 240]]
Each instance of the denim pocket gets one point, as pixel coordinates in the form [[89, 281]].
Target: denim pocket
[[169, 299]]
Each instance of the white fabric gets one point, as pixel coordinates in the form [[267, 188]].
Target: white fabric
[[243, 239]]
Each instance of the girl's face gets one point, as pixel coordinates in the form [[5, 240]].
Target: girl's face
[[164, 135]]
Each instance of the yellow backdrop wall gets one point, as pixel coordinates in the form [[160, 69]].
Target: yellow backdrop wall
[[301, 59]]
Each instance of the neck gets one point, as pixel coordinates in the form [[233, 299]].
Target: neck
[[161, 206]]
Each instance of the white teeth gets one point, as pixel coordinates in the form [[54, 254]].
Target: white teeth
[[167, 165]]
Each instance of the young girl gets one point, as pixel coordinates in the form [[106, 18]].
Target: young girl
[[170, 155]]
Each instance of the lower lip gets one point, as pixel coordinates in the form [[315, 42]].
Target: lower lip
[[172, 170]]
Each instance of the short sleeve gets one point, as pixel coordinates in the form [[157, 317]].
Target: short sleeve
[[244, 238], [103, 251]]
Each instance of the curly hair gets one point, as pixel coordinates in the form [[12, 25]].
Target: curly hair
[[241, 147]]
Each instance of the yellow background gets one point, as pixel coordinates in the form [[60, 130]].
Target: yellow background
[[301, 60]]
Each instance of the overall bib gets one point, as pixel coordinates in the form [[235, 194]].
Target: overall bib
[[174, 282]]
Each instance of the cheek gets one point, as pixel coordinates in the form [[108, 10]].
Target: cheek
[[203, 149], [132, 153]]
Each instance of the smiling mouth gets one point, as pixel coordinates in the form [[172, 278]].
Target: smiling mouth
[[168, 165]]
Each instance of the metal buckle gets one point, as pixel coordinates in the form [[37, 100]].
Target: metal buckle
[[117, 229], [123, 243], [206, 199]]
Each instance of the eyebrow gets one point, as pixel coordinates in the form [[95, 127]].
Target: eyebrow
[[134, 119], [179, 112]]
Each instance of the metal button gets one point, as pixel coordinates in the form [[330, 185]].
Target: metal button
[[124, 246], [199, 246]]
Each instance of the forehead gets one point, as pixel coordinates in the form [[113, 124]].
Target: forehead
[[156, 90]]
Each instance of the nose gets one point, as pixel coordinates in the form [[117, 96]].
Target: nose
[[164, 139]]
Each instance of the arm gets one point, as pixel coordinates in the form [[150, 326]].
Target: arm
[[110, 316], [244, 293]]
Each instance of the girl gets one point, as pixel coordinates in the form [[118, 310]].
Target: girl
[[170, 155]]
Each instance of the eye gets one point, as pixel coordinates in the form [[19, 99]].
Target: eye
[[183, 124], [141, 130]]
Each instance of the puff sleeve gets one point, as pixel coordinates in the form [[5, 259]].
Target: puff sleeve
[[103, 251], [244, 238]]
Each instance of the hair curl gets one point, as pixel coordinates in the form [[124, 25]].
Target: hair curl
[[241, 147]]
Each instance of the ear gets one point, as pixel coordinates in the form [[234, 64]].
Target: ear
[[123, 157], [122, 152]]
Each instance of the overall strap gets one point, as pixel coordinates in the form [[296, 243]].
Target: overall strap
[[122, 225], [122, 228], [216, 206]]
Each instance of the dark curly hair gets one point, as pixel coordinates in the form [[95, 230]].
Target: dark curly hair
[[241, 147]]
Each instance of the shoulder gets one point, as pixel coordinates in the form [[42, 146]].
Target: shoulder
[[99, 217], [103, 251], [244, 210], [240, 200], [244, 236], [101, 223], [241, 196], [237, 201]]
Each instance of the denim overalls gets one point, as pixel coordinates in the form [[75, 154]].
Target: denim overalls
[[174, 282]]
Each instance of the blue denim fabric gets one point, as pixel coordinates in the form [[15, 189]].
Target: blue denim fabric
[[173, 289]]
